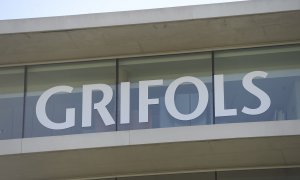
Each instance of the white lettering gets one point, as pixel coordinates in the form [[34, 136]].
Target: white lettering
[[144, 100], [170, 98], [265, 100], [41, 109], [100, 106], [219, 98], [125, 103]]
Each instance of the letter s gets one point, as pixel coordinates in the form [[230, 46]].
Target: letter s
[[265, 100]]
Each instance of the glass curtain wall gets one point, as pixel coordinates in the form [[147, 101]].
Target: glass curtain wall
[[255, 84], [260, 84], [261, 174], [68, 79], [11, 102], [187, 176], [160, 72]]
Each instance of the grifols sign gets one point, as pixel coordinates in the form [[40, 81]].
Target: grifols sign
[[144, 101]]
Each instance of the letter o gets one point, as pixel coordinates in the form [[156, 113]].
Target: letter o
[[170, 98]]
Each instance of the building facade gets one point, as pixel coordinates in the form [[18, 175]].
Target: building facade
[[206, 92]]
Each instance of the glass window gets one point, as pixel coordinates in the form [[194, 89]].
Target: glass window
[[55, 94], [157, 82], [262, 174], [11, 102], [260, 84], [188, 176]]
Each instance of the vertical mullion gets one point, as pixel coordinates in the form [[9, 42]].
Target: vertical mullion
[[213, 84], [117, 93], [24, 101]]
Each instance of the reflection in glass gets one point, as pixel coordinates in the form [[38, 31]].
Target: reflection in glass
[[166, 68], [11, 102], [41, 78], [282, 84]]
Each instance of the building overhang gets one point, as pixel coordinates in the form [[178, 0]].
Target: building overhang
[[182, 149], [148, 32]]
